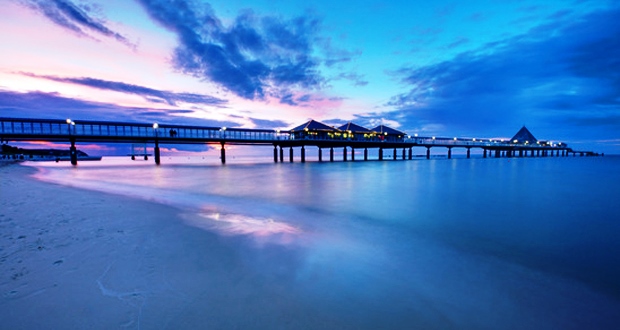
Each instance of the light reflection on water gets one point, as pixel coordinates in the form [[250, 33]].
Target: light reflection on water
[[446, 238]]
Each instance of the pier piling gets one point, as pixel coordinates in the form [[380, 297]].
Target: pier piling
[[223, 154], [157, 153], [73, 152]]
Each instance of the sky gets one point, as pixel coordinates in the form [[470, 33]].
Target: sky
[[436, 68]]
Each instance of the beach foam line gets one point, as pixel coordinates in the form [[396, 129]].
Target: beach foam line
[[238, 224]]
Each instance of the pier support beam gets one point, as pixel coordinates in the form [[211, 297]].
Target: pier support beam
[[331, 154], [344, 154], [320, 154], [157, 153], [428, 152], [484, 153], [449, 153], [352, 154], [223, 154], [497, 153], [404, 154], [275, 153], [520, 153], [281, 154], [380, 153], [290, 154], [394, 154], [73, 152], [468, 152], [303, 154], [365, 153], [410, 153]]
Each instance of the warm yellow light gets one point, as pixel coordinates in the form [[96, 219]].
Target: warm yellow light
[[68, 121], [155, 125], [454, 139], [416, 134], [515, 141], [433, 138], [474, 139], [223, 128]]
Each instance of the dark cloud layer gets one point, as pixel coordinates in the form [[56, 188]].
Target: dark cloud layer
[[558, 75], [152, 95], [73, 17], [253, 57], [54, 106]]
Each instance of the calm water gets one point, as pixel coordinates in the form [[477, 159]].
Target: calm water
[[464, 243]]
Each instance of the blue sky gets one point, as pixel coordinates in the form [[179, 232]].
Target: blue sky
[[443, 68]]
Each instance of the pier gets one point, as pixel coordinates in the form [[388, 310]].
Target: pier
[[348, 138]]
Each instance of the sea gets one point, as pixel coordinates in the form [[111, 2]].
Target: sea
[[480, 243]]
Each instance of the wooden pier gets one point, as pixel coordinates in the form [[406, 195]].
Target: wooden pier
[[312, 134]]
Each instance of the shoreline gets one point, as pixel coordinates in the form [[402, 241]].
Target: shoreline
[[61, 248], [90, 259], [94, 259]]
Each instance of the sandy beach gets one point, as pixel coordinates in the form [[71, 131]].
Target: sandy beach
[[72, 258], [75, 259]]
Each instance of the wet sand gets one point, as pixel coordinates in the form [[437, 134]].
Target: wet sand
[[72, 259]]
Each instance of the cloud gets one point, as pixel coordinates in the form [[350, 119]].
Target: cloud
[[150, 94], [357, 79], [562, 73], [253, 56], [76, 18], [55, 106]]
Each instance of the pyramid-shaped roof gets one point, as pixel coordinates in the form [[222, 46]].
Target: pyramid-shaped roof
[[354, 128], [524, 135], [313, 125], [382, 129]]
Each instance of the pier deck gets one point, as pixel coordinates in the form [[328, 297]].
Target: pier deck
[[19, 129]]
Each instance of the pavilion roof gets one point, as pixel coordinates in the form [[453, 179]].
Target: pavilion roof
[[382, 129], [524, 135], [314, 125], [354, 128]]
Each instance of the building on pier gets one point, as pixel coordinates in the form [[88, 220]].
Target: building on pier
[[389, 134], [314, 130], [524, 136], [356, 132]]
